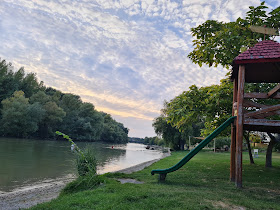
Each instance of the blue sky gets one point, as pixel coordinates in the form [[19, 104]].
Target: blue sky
[[124, 56]]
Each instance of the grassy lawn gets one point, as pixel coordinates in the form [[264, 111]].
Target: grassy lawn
[[203, 183]]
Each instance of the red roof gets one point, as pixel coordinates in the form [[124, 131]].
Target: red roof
[[264, 51]]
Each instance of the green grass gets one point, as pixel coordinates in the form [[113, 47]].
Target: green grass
[[203, 183]]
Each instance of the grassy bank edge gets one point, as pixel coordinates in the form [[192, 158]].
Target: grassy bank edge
[[202, 183]]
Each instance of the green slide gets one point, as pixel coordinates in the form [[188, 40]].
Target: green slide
[[194, 151]]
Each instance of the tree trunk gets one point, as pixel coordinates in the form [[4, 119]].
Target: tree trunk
[[182, 145], [268, 160], [246, 136]]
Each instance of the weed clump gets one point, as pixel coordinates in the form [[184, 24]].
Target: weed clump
[[86, 165]]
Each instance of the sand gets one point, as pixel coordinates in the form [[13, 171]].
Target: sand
[[50, 189]]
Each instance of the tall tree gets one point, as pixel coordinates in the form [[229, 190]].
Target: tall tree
[[218, 43], [211, 104], [171, 136], [19, 118]]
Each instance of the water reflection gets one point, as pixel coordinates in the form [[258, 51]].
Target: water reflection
[[23, 162]]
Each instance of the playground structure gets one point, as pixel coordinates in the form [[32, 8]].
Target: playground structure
[[259, 64]]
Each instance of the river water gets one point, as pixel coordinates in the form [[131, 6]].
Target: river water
[[24, 162]]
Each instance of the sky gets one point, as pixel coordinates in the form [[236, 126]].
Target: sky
[[124, 56]]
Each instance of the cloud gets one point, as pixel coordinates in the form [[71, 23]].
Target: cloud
[[126, 56]]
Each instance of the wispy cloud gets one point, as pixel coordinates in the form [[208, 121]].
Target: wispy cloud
[[125, 56]]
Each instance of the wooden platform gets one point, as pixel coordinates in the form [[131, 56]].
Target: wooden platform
[[272, 126]]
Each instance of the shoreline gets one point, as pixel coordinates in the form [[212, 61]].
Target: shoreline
[[29, 196]]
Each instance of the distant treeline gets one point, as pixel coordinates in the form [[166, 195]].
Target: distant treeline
[[29, 109], [147, 140]]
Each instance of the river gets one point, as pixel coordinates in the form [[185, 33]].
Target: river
[[24, 162]]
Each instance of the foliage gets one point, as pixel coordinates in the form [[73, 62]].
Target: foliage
[[219, 43], [220, 142], [154, 141], [113, 131], [254, 137], [29, 109], [171, 136], [86, 163], [277, 147], [85, 159], [19, 118], [210, 105]]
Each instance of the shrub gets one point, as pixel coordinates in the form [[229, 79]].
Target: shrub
[[85, 159], [220, 142], [86, 162], [277, 147]]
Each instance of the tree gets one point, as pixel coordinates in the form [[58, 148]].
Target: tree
[[218, 43], [53, 114], [210, 105], [171, 136], [29, 84], [29, 109], [7, 82], [90, 122], [113, 131], [19, 118]]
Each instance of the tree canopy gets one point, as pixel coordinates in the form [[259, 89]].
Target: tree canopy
[[29, 109], [219, 43]]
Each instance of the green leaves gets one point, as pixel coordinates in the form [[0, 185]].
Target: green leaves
[[217, 43], [211, 104], [28, 109]]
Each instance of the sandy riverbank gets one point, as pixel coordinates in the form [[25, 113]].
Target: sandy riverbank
[[49, 189]]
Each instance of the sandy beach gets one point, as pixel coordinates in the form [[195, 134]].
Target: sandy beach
[[49, 189]]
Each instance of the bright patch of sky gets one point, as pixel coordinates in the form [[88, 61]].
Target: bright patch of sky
[[124, 56]]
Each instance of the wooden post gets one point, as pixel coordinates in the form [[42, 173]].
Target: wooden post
[[233, 136], [214, 145], [239, 127], [162, 177]]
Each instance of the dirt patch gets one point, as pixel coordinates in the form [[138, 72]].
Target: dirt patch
[[221, 204], [132, 181]]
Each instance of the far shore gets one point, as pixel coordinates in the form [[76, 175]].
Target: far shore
[[48, 190]]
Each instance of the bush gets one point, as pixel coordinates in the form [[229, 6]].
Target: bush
[[277, 147], [85, 159], [86, 162], [221, 142]]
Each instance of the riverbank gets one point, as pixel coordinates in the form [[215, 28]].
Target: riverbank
[[49, 189], [203, 183], [32, 195]]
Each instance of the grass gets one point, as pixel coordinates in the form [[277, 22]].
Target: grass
[[203, 183]]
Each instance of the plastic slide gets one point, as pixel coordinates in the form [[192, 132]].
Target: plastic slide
[[194, 151]]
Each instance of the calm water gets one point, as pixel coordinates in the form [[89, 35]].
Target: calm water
[[24, 162]]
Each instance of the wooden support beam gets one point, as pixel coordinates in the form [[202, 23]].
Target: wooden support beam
[[239, 127], [265, 112], [268, 114], [264, 122], [233, 136], [263, 125], [261, 95], [248, 103], [273, 91]]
